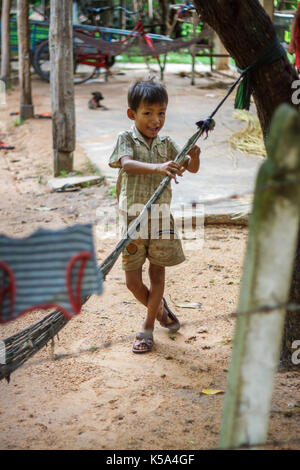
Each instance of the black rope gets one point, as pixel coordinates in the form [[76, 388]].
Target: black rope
[[272, 52]]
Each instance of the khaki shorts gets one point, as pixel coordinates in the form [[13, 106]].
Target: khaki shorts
[[161, 246]]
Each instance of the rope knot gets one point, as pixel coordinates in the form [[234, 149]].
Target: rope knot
[[206, 125]]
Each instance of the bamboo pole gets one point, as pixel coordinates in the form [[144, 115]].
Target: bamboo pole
[[26, 106], [273, 233], [62, 85]]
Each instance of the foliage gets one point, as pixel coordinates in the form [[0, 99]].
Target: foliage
[[172, 58], [18, 122], [281, 5]]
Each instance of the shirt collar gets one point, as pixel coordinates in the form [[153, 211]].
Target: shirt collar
[[137, 135]]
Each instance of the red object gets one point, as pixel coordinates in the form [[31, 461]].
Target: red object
[[43, 116], [297, 44], [74, 298], [297, 40], [9, 290], [75, 301], [5, 146]]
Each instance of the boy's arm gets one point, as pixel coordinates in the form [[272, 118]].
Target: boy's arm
[[135, 167]]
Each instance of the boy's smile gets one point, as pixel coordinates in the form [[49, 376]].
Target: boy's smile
[[149, 119]]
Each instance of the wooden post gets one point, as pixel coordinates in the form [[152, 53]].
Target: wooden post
[[268, 267], [195, 19], [221, 62], [123, 14], [268, 6], [5, 42], [62, 85], [26, 106], [150, 10]]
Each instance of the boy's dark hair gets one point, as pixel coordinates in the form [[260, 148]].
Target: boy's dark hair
[[149, 91]]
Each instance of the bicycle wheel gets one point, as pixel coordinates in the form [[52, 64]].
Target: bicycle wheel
[[83, 73], [41, 60], [41, 64], [84, 67]]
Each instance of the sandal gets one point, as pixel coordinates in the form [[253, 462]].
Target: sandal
[[144, 338], [174, 325]]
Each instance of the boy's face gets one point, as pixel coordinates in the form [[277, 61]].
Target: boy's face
[[149, 118]]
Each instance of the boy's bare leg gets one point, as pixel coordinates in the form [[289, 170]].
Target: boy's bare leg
[[134, 282], [156, 292]]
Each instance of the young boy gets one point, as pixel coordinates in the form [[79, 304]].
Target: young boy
[[144, 160]]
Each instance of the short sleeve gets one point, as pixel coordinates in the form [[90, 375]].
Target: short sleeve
[[123, 147], [174, 149]]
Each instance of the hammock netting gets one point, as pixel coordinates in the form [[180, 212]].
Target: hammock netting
[[160, 47]]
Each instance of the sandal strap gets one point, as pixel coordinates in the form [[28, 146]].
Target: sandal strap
[[147, 334]]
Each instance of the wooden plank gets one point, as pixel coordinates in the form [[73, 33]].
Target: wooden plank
[[59, 183]]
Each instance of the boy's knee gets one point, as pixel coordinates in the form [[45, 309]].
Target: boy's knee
[[133, 283], [157, 274]]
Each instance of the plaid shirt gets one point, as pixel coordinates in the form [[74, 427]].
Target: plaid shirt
[[137, 189]]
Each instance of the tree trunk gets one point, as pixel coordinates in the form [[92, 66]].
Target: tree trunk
[[272, 86], [107, 21], [26, 106], [5, 42], [291, 331], [164, 15], [61, 84], [248, 21], [123, 14]]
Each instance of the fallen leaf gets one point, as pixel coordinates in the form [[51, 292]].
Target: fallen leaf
[[225, 340], [45, 208], [211, 391], [189, 305]]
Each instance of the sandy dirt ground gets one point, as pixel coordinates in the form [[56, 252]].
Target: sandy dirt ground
[[94, 393]]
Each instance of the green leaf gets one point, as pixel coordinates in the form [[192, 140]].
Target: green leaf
[[188, 305]]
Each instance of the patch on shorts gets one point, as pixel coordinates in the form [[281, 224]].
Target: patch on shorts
[[132, 248]]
